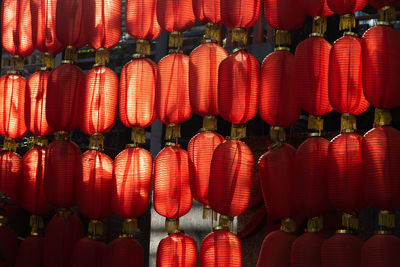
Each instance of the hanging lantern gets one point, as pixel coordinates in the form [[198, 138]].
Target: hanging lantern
[[346, 10], [200, 149], [315, 8], [30, 252], [68, 21], [342, 249], [10, 176], [177, 249], [124, 252], [284, 15], [172, 93], [381, 250], [207, 11], [221, 248], [8, 246], [306, 250], [88, 253]]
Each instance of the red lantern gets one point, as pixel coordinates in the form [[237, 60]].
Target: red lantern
[[137, 93], [62, 171], [381, 3], [275, 250], [240, 13], [172, 91], [16, 27], [69, 22], [341, 250], [277, 174], [231, 177], [94, 189], [12, 108], [284, 14], [381, 250], [238, 87], [311, 75], [221, 248], [345, 76], [141, 19], [10, 176], [62, 106], [133, 169], [30, 252], [124, 252], [381, 66], [278, 103], [88, 253], [200, 149], [207, 11], [172, 197], [306, 250], [175, 15], [315, 8], [346, 7], [35, 104], [62, 233], [311, 194], [177, 250], [8, 246]]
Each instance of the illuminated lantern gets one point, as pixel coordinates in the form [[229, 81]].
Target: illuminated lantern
[[315, 8], [88, 253], [8, 246], [221, 248], [342, 249], [10, 176], [231, 176], [306, 250], [62, 106], [284, 14], [207, 11], [69, 21], [30, 252], [124, 252], [175, 15], [177, 249], [381, 250]]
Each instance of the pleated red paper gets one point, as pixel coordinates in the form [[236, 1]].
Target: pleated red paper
[[124, 252], [207, 11], [137, 93], [382, 3], [345, 172], [238, 87], [204, 62], [275, 250], [278, 103], [8, 246], [88, 253], [306, 250], [311, 182], [172, 197], [177, 250], [141, 19], [175, 15], [381, 66], [311, 66], [276, 169], [381, 153], [172, 91], [35, 104], [341, 250], [98, 101], [345, 76], [102, 22], [30, 252], [31, 188], [16, 27], [221, 249], [231, 177], [315, 8], [93, 191], [60, 239], [200, 149], [62, 105], [12, 107], [63, 169], [131, 184], [69, 22], [240, 13], [342, 7], [10, 176], [284, 14], [381, 250]]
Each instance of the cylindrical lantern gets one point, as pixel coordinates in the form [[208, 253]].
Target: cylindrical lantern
[[124, 252], [8, 246], [177, 250], [207, 11], [30, 252], [315, 8], [88, 253], [306, 250], [69, 22], [343, 250], [175, 15], [381, 250], [141, 19], [284, 14], [10, 176]]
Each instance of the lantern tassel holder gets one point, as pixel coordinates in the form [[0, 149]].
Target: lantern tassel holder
[[95, 229], [238, 131], [129, 228], [36, 223], [173, 131], [17, 62], [213, 32], [175, 40], [96, 142], [350, 222], [348, 123], [383, 117], [277, 134], [315, 224], [282, 39], [319, 26], [48, 60], [102, 56], [315, 123], [288, 225], [239, 36], [172, 225], [143, 47], [387, 15], [347, 22], [386, 219], [138, 135], [210, 123], [71, 54], [226, 222], [10, 144], [208, 213]]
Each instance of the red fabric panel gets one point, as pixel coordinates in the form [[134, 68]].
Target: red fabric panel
[[177, 250], [141, 19]]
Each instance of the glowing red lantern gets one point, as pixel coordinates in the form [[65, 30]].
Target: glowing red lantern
[[141, 19], [341, 250], [177, 250], [10, 176], [306, 250], [381, 3], [175, 15], [221, 248], [284, 14], [381, 250], [240, 13], [346, 7], [30, 252], [124, 252], [207, 10], [278, 103], [69, 22], [9, 246], [311, 67], [231, 177], [381, 65], [88, 253], [315, 8]]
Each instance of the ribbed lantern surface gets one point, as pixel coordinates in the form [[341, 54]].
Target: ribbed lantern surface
[[341, 250], [175, 15], [124, 252], [177, 250], [284, 15], [141, 19]]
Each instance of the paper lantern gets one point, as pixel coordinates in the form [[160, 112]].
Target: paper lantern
[[311, 67], [284, 14], [12, 107], [175, 15], [240, 13], [62, 106], [124, 252], [277, 173], [88, 253], [381, 250], [306, 250], [62, 233], [137, 93], [172, 197], [381, 65], [311, 194], [221, 248], [141, 19], [278, 103], [30, 252], [63, 169], [131, 184], [345, 76], [8, 246], [341, 250], [238, 87], [200, 149], [382, 3], [207, 10], [231, 177], [69, 22], [177, 250], [315, 8], [10, 176], [346, 7]]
